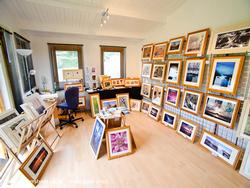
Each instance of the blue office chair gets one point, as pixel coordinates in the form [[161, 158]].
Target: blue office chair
[[70, 106]]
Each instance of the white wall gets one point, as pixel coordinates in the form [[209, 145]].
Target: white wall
[[91, 53]]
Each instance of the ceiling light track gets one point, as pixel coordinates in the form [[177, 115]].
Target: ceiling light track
[[105, 17]]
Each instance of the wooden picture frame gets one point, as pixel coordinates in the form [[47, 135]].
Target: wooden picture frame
[[169, 119], [243, 129], [146, 70], [157, 95], [244, 167], [225, 74], [147, 52], [72, 74], [107, 84], [145, 106], [176, 45], [123, 100], [8, 115], [187, 129], [172, 96], [221, 110], [221, 148], [77, 84], [193, 72], [158, 71], [173, 73], [159, 52], [119, 142], [109, 103], [95, 104], [82, 101], [34, 166], [197, 42], [132, 82], [191, 101], [154, 112], [118, 82], [146, 90], [135, 105]]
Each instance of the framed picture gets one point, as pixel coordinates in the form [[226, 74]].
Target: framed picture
[[159, 52], [225, 74], [154, 112], [36, 163], [82, 101], [187, 129], [132, 82], [169, 119], [236, 40], [8, 115], [72, 74], [172, 96], [173, 71], [69, 85], [245, 165], [135, 105], [107, 84], [243, 130], [146, 70], [145, 106], [158, 72], [146, 90], [109, 103], [123, 100], [221, 110], [191, 101], [176, 45], [193, 72], [117, 82], [197, 42], [96, 136], [119, 142], [95, 104], [147, 51], [224, 150], [157, 95]]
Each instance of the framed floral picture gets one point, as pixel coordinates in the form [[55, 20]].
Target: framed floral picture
[[119, 142], [197, 42], [193, 72], [176, 45], [172, 96], [174, 71], [154, 112], [225, 74], [123, 100], [221, 110], [145, 106], [147, 51], [157, 95], [135, 105], [109, 103], [95, 104], [169, 119], [146, 90], [191, 101], [146, 70], [158, 72], [187, 129], [159, 52]]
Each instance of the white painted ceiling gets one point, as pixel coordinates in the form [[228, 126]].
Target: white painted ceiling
[[129, 18]]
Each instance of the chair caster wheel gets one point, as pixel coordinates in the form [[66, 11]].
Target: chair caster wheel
[[77, 126], [82, 119], [61, 128]]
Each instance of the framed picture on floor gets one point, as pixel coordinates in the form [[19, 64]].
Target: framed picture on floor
[[157, 95], [187, 129], [123, 100], [146, 90], [158, 72], [243, 130], [197, 42], [146, 70], [225, 74], [95, 104], [8, 115], [224, 150], [109, 103], [147, 51], [135, 105], [36, 163], [221, 110], [191, 101], [154, 112], [159, 52], [119, 142], [169, 119], [176, 45], [145, 106], [245, 165], [174, 71], [193, 72], [172, 96], [96, 136]]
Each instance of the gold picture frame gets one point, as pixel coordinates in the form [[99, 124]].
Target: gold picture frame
[[159, 52], [147, 51], [157, 95], [169, 119], [145, 106], [154, 112], [95, 104], [118, 82], [132, 82], [123, 100], [107, 84], [173, 73], [146, 70], [176, 45], [146, 90], [191, 101], [187, 129], [172, 96], [69, 85], [158, 72]]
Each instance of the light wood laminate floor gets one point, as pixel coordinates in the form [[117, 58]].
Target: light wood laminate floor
[[163, 159]]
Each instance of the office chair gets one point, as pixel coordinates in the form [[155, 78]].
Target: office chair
[[70, 106]]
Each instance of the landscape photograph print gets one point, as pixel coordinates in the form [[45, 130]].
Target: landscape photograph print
[[147, 51], [176, 45], [172, 96], [173, 71], [169, 119], [187, 129], [159, 51], [191, 101], [154, 112]]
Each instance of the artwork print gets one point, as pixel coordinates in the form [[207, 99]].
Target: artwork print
[[159, 51], [107, 104], [123, 100], [157, 95], [191, 101], [175, 45], [145, 106], [146, 70], [169, 119], [172, 96], [186, 129], [158, 72], [193, 70], [154, 112], [173, 72], [147, 52], [146, 90]]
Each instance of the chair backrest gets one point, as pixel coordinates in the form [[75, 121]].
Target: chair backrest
[[72, 97]]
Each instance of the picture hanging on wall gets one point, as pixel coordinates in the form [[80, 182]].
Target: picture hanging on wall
[[176, 45], [221, 110], [172, 96], [123, 100], [173, 71], [225, 74], [159, 52], [191, 101], [146, 90], [187, 129], [145, 106], [147, 51], [158, 72], [236, 40], [95, 104], [226, 151], [146, 70], [197, 42], [243, 130], [169, 119], [135, 105], [193, 72], [157, 95], [154, 112]]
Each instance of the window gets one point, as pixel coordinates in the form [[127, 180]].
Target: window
[[64, 56], [113, 61]]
